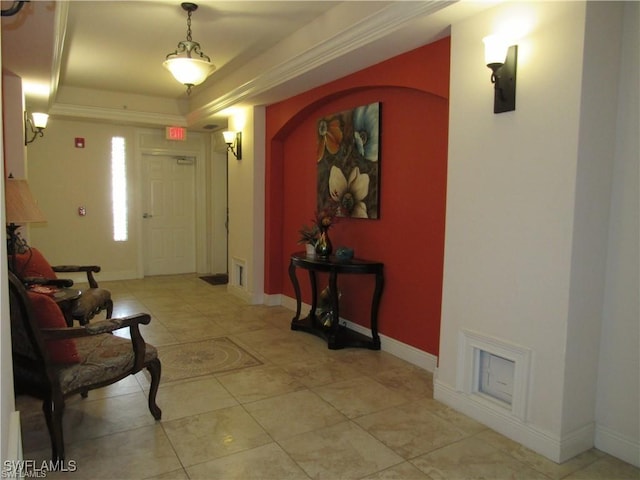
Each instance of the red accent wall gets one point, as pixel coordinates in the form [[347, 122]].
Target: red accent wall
[[409, 235]]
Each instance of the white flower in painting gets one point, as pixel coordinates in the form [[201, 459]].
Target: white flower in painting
[[348, 194]]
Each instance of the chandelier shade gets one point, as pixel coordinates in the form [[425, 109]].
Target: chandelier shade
[[189, 71], [188, 64]]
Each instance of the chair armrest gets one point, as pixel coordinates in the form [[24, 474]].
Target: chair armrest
[[95, 328], [105, 326], [88, 269], [54, 282]]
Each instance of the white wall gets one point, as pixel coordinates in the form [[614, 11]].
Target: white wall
[[527, 214], [246, 206], [618, 408]]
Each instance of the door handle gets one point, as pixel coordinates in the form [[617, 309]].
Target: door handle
[[146, 215]]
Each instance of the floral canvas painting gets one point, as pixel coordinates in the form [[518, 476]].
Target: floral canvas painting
[[348, 160]]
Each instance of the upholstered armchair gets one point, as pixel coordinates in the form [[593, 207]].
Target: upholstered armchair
[[52, 361], [33, 268]]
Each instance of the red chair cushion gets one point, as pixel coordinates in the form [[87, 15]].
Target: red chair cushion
[[32, 264], [49, 315]]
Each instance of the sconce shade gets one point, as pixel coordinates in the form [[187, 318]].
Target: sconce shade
[[495, 49], [229, 137], [34, 125], [502, 59], [20, 205], [234, 139], [40, 119], [189, 71]]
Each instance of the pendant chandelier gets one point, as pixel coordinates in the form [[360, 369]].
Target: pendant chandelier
[[188, 64]]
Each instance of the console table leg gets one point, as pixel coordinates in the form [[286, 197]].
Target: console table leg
[[296, 288], [377, 293]]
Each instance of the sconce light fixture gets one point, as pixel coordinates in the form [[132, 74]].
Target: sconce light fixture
[[34, 125], [186, 69], [502, 59], [231, 138]]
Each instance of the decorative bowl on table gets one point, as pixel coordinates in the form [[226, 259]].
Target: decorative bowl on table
[[344, 253]]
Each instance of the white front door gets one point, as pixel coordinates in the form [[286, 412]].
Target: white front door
[[169, 214]]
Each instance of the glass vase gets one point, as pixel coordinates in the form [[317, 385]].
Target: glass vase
[[324, 247]]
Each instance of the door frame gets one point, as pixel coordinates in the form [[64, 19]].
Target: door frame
[[152, 142]]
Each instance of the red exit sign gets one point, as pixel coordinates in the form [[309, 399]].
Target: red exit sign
[[176, 133]]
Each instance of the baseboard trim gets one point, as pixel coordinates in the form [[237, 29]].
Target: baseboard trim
[[103, 276], [620, 446], [390, 345], [503, 421]]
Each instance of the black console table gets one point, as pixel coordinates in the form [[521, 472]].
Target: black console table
[[336, 335]]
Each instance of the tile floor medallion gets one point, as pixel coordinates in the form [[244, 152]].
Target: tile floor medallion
[[195, 359]]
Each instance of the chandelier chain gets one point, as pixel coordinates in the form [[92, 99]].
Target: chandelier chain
[[189, 25]]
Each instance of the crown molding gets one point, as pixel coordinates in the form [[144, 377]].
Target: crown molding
[[60, 32], [371, 28], [118, 116]]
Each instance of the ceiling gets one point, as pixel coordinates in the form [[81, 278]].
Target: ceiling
[[264, 51]]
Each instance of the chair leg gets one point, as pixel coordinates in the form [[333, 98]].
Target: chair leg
[[155, 369], [53, 416], [109, 308]]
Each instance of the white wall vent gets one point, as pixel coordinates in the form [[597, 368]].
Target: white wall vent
[[494, 372], [238, 273], [495, 378]]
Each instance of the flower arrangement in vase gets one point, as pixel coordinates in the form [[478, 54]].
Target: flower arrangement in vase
[[325, 218], [315, 237]]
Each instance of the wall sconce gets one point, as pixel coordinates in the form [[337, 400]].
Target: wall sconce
[[34, 126], [234, 137], [502, 59]]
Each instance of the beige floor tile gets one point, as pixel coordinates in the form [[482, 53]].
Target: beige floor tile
[[538, 462], [460, 421], [204, 437], [128, 307], [293, 413], [403, 471], [268, 462], [369, 362], [473, 459], [253, 384], [192, 397], [174, 475], [315, 372], [607, 468], [87, 418], [137, 453], [342, 451], [359, 396], [412, 382], [410, 430]]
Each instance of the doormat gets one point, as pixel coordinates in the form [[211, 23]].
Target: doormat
[[217, 279], [206, 357]]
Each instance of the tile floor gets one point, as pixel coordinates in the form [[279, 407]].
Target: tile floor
[[305, 413]]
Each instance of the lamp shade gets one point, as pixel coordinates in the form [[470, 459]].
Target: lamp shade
[[495, 49], [21, 207], [189, 71]]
